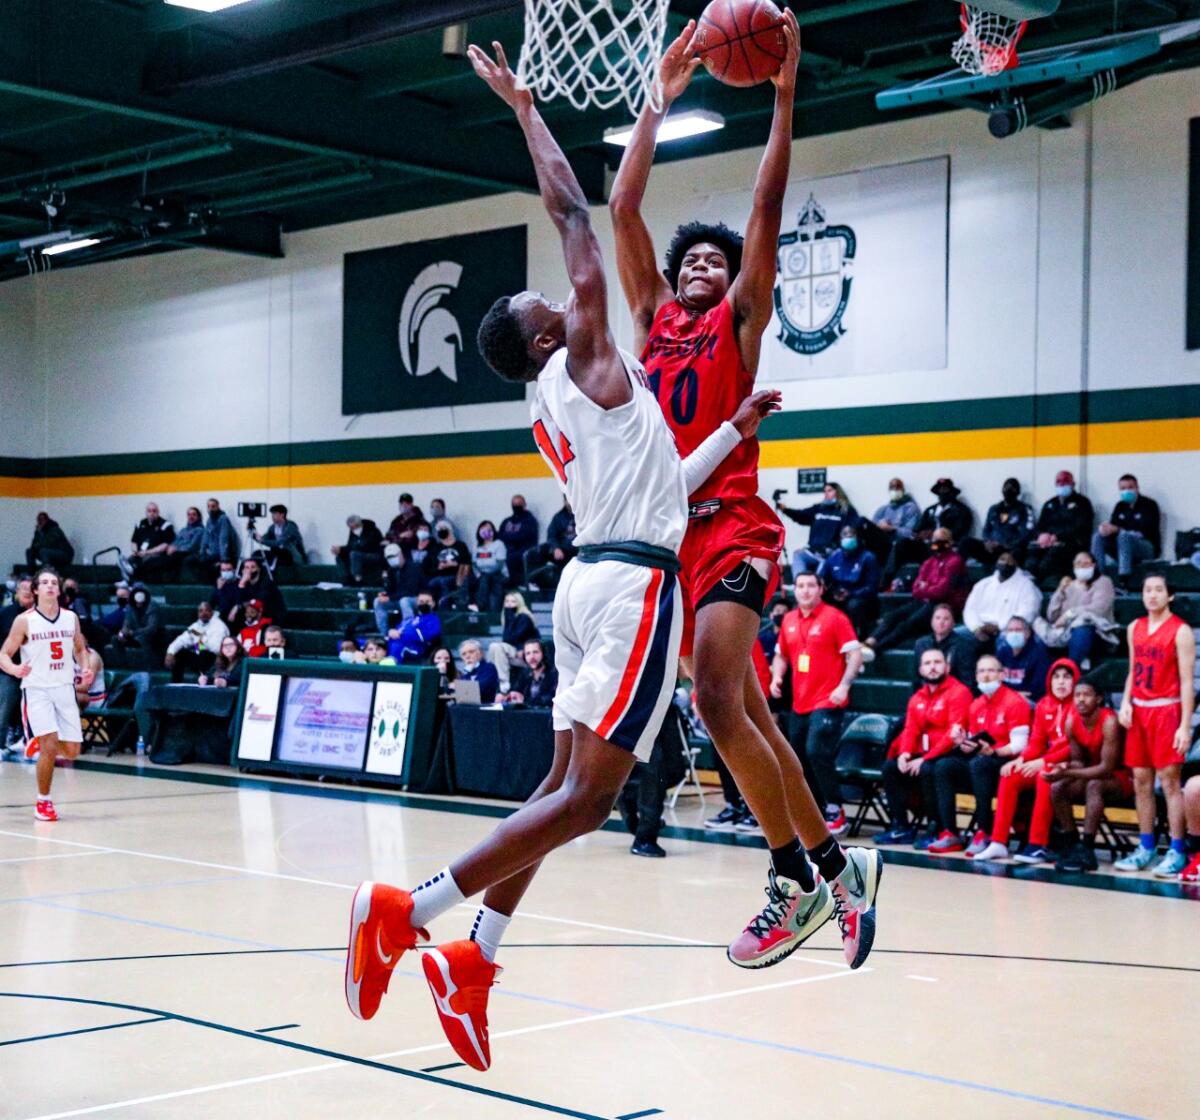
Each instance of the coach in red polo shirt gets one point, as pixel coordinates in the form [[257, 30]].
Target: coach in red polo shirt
[[818, 645]]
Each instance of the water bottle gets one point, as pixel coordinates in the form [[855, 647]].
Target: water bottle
[[141, 745], [362, 600]]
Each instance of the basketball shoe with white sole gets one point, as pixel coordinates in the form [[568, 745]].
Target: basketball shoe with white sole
[[43, 810], [854, 892], [789, 919], [460, 978], [381, 932]]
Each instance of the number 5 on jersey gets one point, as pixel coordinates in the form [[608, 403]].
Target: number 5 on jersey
[[56, 651], [559, 457]]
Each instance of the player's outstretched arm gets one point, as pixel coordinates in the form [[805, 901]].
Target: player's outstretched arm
[[645, 287], [743, 424], [751, 293], [13, 643], [595, 366]]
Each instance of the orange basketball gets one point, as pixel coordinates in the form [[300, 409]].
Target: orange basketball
[[741, 42]]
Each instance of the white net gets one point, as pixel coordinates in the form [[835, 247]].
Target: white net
[[988, 43], [594, 52]]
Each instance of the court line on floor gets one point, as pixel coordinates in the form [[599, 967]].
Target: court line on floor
[[142, 797], [122, 890], [60, 855], [84, 1030]]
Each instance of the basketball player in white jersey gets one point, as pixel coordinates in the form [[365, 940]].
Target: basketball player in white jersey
[[51, 646], [617, 614]]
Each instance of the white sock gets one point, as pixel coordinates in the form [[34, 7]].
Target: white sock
[[434, 897], [488, 931]]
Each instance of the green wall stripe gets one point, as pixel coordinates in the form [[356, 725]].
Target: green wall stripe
[[1106, 406]]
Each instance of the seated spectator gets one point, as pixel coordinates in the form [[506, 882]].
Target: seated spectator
[[443, 662], [1024, 659], [250, 636], [226, 671], [403, 580], [938, 709], [894, 521], [1093, 774], [362, 554], [348, 652], [186, 547], [138, 642], [997, 729], [95, 694], [825, 521], [281, 540], [218, 543], [1009, 591], [519, 533], [544, 562], [404, 526], [1007, 528], [375, 652], [49, 547], [1064, 528], [113, 620], [73, 600], [1047, 747], [942, 579], [959, 649], [152, 537], [519, 627], [476, 669], [491, 570], [1133, 532], [448, 568], [437, 512], [196, 648], [1191, 805], [275, 643], [851, 576], [256, 583], [10, 686], [1080, 611], [226, 594], [948, 512], [768, 636], [535, 683], [417, 636]]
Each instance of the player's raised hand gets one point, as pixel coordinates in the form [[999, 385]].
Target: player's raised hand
[[785, 80], [679, 63], [504, 83], [754, 409]]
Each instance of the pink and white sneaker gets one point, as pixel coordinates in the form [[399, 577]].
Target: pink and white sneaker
[[789, 919], [854, 892], [43, 810]]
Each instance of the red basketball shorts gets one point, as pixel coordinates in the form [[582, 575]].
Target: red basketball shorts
[[1151, 739]]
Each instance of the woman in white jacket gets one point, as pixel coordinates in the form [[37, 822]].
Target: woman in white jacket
[[1080, 611]]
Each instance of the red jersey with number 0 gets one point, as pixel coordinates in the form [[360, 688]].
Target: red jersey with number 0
[[694, 368], [1156, 660]]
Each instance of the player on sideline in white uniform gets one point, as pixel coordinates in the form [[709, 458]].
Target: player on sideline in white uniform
[[51, 645], [617, 614]]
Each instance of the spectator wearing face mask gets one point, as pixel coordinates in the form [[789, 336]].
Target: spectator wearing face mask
[[112, 620], [768, 636], [958, 649], [1008, 591], [281, 540], [1024, 659], [416, 637], [184, 551], [894, 521], [519, 627], [255, 583], [448, 568], [437, 512], [491, 568], [544, 563], [1007, 528], [535, 683], [139, 637], [474, 668], [1080, 612], [948, 512], [825, 521], [519, 533], [226, 594], [404, 526], [362, 554], [851, 577], [1133, 532], [1064, 527]]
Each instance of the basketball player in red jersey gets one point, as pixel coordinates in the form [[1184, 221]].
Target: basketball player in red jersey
[[700, 330], [1156, 711]]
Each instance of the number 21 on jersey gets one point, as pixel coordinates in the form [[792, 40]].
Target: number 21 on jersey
[[558, 457]]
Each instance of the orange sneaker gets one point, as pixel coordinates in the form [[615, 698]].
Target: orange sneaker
[[460, 979], [381, 931], [32, 749], [1191, 873]]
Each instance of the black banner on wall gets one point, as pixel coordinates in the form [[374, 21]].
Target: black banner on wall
[[409, 319], [1193, 245]]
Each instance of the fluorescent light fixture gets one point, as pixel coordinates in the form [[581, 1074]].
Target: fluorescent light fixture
[[691, 123], [206, 5], [70, 246]]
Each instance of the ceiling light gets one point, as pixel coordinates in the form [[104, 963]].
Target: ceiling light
[[206, 5], [692, 123], [70, 246]]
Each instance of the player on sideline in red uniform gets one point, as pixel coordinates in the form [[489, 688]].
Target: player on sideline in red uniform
[[700, 329], [618, 616], [1156, 711]]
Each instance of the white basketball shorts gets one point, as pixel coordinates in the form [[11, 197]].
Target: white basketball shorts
[[617, 629], [51, 711]]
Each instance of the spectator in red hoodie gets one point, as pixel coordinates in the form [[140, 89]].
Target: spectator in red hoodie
[[936, 710], [997, 730], [1047, 747], [250, 637], [941, 579]]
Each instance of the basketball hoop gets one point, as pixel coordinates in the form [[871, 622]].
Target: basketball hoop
[[594, 52], [988, 44]]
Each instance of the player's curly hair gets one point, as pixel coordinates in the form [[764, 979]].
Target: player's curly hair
[[503, 343], [693, 233]]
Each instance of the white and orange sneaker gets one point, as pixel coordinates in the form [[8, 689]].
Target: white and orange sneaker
[[460, 978], [32, 749], [381, 932], [789, 919], [43, 810]]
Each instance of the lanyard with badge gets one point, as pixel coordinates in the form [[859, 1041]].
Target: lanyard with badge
[[803, 661]]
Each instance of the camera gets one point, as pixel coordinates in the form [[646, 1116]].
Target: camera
[[252, 509], [776, 495]]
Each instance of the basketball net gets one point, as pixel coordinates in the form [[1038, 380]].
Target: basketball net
[[988, 44], [594, 52]]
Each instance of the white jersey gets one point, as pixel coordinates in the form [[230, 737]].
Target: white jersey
[[618, 466], [50, 649]]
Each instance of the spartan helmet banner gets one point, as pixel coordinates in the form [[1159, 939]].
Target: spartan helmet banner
[[410, 315]]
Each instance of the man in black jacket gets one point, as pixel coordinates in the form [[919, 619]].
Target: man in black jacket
[[10, 687], [960, 652], [535, 684], [50, 547], [1064, 527], [948, 512], [519, 534], [1007, 528], [255, 583], [1132, 534], [281, 540], [544, 562], [152, 537], [362, 554]]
